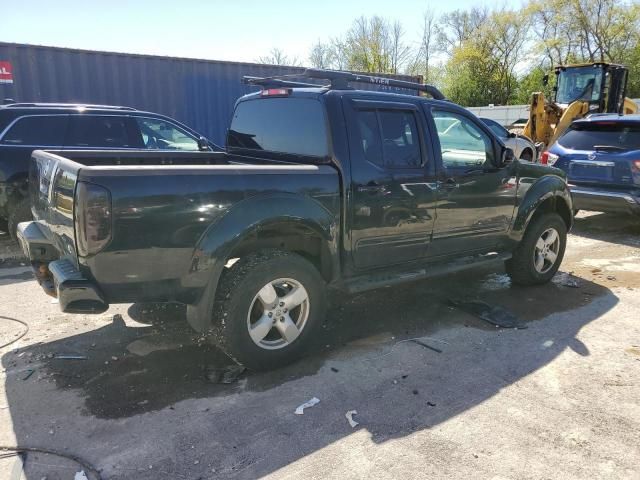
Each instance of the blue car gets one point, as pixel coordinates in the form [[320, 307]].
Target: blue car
[[601, 156]]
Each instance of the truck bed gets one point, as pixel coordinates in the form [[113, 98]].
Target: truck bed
[[162, 203]]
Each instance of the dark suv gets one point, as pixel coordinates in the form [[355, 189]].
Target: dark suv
[[25, 127]]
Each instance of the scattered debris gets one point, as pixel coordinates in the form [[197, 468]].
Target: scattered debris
[[415, 392], [421, 343], [431, 404], [566, 280], [350, 419], [70, 357], [80, 476], [494, 315], [310, 403], [27, 374], [227, 375], [143, 402], [611, 277], [18, 336], [404, 376], [334, 369]]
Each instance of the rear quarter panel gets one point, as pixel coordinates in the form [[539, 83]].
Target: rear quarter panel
[[160, 215]]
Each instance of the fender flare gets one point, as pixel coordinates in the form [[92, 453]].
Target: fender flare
[[545, 188], [244, 219]]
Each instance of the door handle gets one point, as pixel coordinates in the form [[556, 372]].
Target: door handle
[[371, 187]]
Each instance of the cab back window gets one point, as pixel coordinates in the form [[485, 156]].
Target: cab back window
[[587, 136], [284, 125], [39, 131]]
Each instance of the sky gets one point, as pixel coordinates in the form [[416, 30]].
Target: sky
[[221, 30]]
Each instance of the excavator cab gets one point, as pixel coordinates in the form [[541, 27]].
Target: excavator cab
[[602, 85], [580, 90]]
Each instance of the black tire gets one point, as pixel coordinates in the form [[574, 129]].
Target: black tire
[[527, 155], [521, 267], [18, 213], [235, 297]]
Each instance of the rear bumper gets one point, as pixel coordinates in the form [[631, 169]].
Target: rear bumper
[[599, 200], [59, 277]]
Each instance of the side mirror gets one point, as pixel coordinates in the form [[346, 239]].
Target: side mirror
[[507, 156], [545, 79], [203, 144]]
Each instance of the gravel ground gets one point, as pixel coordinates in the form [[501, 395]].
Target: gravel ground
[[557, 399]]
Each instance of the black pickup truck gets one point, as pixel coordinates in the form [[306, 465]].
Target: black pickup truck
[[319, 187]]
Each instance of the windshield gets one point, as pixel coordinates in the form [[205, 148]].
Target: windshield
[[586, 136], [580, 83], [496, 128]]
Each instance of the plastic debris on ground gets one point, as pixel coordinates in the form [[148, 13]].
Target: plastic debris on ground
[[80, 476], [310, 403], [227, 375], [350, 419], [566, 280], [493, 314]]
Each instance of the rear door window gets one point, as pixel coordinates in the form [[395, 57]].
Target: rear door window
[[283, 125], [389, 138], [99, 131], [587, 136], [37, 131]]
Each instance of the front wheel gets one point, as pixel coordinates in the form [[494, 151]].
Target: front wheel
[[268, 309], [539, 254]]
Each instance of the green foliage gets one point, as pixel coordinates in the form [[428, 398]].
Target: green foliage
[[533, 82], [482, 55]]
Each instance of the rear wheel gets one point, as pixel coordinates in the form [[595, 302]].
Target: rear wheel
[[539, 254], [19, 212], [268, 309]]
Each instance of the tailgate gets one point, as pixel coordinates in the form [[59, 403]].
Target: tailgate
[[600, 168], [52, 182]]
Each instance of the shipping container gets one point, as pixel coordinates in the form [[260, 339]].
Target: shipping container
[[199, 93]]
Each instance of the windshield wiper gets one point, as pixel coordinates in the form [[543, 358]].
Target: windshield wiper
[[609, 147]]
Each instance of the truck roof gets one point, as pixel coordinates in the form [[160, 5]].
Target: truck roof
[[337, 80]]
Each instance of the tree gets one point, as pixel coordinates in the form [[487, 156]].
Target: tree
[[532, 82], [278, 57], [321, 55], [481, 68], [456, 27], [423, 60]]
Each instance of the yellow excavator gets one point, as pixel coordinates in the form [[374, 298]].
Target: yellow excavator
[[580, 90]]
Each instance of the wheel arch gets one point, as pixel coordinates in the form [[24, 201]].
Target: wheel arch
[[287, 221], [548, 194]]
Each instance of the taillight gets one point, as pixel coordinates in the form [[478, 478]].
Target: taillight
[[275, 92], [635, 166], [92, 218], [548, 158]]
